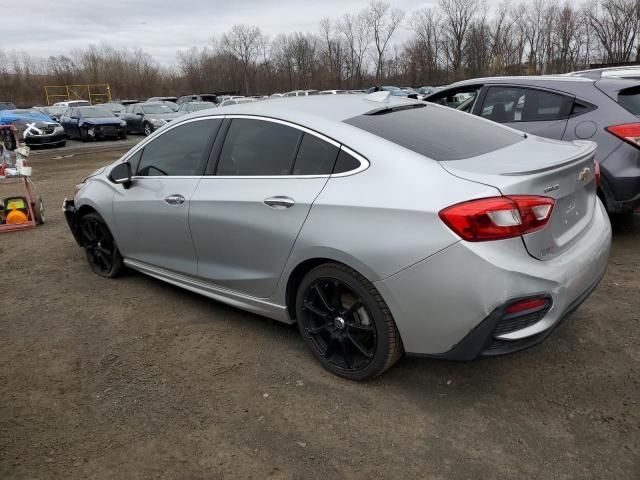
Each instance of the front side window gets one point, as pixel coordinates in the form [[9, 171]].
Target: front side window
[[515, 104], [257, 147], [458, 97], [181, 151], [315, 156]]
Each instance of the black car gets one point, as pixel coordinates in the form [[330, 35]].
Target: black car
[[146, 117], [87, 123], [34, 127]]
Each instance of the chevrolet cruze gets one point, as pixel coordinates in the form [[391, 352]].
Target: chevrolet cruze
[[380, 225]]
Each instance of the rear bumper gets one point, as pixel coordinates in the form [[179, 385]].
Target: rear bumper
[[449, 304], [73, 220], [482, 341]]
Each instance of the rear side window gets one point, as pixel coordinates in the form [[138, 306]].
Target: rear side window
[[514, 104], [630, 99], [346, 163], [257, 147], [315, 156], [181, 151], [438, 133]]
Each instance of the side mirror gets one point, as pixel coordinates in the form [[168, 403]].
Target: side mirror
[[121, 174], [140, 114]]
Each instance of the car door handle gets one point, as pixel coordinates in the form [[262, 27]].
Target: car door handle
[[174, 200], [279, 202]]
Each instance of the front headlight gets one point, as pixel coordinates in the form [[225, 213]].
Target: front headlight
[[58, 129], [123, 124], [157, 122]]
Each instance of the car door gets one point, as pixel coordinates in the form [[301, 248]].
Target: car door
[[247, 212], [533, 110], [152, 215]]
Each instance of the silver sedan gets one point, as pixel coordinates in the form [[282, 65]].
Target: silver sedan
[[380, 225]]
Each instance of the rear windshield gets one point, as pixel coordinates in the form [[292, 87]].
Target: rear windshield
[[630, 99], [439, 133]]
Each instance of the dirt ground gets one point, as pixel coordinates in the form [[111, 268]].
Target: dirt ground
[[135, 379]]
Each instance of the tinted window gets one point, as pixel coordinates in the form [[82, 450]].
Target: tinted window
[[345, 163], [255, 147], [512, 104], [455, 98], [315, 157], [630, 99], [438, 133], [180, 151]]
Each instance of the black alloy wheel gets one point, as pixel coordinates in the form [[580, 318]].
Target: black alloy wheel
[[148, 129], [101, 249], [346, 323]]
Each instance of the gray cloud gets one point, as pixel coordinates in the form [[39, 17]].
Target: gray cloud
[[160, 27]]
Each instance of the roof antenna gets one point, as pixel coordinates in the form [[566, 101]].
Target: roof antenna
[[380, 97]]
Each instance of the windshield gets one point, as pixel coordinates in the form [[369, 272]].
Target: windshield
[[156, 109], [438, 133], [94, 112], [55, 110], [114, 107], [630, 99]]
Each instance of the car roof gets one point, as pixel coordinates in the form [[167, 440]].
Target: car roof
[[324, 113], [533, 79]]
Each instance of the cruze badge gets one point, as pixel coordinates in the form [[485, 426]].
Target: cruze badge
[[584, 175]]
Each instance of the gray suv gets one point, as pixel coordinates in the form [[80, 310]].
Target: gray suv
[[604, 110]]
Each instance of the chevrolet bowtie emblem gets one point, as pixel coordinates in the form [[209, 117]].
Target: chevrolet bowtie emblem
[[584, 175]]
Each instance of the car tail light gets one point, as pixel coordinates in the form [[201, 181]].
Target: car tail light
[[629, 132], [525, 305], [596, 170], [497, 218]]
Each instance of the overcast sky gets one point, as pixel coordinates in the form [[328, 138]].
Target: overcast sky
[[159, 27]]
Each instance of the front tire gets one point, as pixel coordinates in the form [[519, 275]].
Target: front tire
[[346, 323], [100, 247], [147, 129]]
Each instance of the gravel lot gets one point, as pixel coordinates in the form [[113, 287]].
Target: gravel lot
[[132, 378]]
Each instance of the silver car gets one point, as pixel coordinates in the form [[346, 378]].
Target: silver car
[[378, 224]]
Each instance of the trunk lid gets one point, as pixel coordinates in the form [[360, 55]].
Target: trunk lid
[[563, 171]]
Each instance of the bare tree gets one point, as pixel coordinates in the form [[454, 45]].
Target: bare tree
[[457, 18], [332, 52], [356, 32], [383, 22], [425, 23], [243, 42], [616, 23]]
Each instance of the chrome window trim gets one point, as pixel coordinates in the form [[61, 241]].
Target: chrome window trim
[[364, 163]]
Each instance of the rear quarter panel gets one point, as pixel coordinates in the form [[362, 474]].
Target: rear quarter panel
[[385, 218]]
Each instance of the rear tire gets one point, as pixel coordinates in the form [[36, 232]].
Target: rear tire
[[346, 323], [100, 247]]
